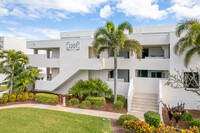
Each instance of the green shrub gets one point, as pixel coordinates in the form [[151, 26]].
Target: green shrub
[[195, 122], [4, 98], [85, 104], [186, 116], [127, 117], [46, 98], [119, 105], [98, 104], [19, 97], [119, 98], [93, 100], [31, 96], [12, 98], [25, 96], [66, 96], [73, 102], [152, 118]]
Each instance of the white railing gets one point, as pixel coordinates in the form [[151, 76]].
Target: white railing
[[130, 94], [160, 97]]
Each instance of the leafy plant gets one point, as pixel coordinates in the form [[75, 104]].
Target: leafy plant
[[119, 98], [4, 98], [25, 96], [85, 104], [127, 117], [186, 116], [152, 118], [19, 97], [119, 105], [66, 96], [12, 98], [91, 87], [195, 122], [73, 102]]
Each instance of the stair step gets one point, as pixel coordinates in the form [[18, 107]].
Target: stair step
[[144, 103], [144, 100], [144, 107], [139, 110], [146, 94]]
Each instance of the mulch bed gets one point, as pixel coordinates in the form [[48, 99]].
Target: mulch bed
[[181, 124], [116, 128], [109, 107]]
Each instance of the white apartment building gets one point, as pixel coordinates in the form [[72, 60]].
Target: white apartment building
[[8, 43], [141, 81]]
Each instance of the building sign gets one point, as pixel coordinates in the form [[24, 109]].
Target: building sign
[[73, 46]]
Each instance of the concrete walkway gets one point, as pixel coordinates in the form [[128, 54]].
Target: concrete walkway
[[97, 113]]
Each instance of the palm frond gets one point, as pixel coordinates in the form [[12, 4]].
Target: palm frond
[[110, 27], [133, 46], [126, 26], [190, 54], [101, 32], [185, 26]]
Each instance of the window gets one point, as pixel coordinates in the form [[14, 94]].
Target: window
[[191, 79], [156, 74], [122, 74], [122, 53]]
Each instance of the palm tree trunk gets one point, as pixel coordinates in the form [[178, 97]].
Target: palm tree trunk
[[11, 85], [115, 75]]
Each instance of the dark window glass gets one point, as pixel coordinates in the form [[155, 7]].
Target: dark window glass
[[191, 79]]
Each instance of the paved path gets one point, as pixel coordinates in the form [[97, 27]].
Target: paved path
[[97, 113]]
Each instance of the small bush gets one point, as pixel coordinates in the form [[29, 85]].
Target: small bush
[[99, 104], [152, 118], [119, 105], [186, 116], [66, 96], [19, 97], [119, 98], [4, 98], [25, 96], [12, 98], [93, 100], [127, 117], [85, 104], [31, 96], [46, 98], [73, 102], [195, 122]]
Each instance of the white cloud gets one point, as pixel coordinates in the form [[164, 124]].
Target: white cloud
[[49, 8], [3, 12], [185, 8], [141, 8], [9, 22], [106, 11]]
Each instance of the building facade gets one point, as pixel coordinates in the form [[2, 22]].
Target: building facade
[[141, 81]]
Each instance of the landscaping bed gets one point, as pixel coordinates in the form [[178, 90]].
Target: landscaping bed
[[181, 124], [109, 106]]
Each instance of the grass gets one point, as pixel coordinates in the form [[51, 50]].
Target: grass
[[3, 88], [32, 120]]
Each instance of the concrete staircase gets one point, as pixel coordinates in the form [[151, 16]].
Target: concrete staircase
[[143, 102]]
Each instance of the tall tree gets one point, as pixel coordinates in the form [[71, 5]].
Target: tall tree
[[111, 38], [189, 43], [9, 60]]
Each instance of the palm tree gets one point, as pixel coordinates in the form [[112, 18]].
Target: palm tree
[[190, 42], [10, 59], [113, 39]]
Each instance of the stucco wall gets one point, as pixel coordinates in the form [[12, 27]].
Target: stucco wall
[[173, 96]]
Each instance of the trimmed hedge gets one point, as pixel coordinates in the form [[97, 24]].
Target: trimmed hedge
[[195, 122], [119, 98], [85, 104], [46, 98], [4, 98], [127, 117], [66, 96], [73, 102], [19, 97], [12, 98], [119, 105], [186, 116], [31, 96], [94, 100], [98, 104], [25, 96], [152, 118]]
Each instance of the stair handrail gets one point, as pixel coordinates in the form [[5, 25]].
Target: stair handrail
[[160, 97], [130, 94]]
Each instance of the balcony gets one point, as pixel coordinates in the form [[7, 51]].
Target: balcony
[[41, 60]]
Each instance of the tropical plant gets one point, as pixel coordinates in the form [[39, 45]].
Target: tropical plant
[[113, 39], [10, 59], [190, 42]]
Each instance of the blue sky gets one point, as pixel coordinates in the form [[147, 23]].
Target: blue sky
[[44, 19]]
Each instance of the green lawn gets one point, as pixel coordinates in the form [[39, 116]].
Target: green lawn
[[33, 120], [3, 88]]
